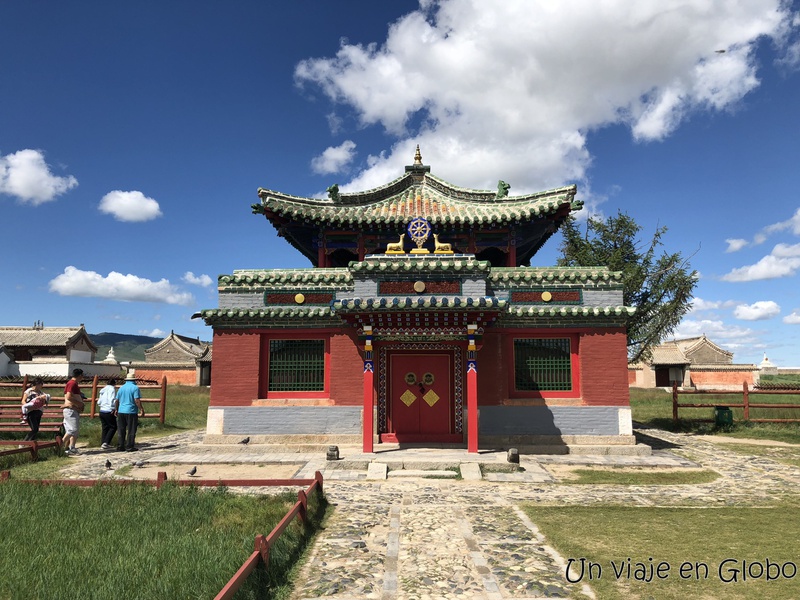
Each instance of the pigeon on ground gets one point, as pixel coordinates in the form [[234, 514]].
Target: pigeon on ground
[[245, 441], [191, 471], [108, 465], [139, 464]]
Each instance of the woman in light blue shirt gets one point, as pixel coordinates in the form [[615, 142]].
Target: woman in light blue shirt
[[108, 418]]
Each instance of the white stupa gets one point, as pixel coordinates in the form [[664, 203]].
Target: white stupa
[[110, 358], [766, 366]]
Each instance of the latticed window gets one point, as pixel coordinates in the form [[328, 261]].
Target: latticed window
[[542, 364], [296, 365]]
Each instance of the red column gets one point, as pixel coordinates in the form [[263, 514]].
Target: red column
[[472, 392], [369, 375]]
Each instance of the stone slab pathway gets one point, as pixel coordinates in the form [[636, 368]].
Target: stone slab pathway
[[422, 539]]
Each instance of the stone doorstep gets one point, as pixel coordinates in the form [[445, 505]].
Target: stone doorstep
[[427, 473]]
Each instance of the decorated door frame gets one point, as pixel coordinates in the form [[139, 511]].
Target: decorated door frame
[[456, 416]]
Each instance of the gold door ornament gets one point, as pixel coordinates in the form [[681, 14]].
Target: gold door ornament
[[411, 378], [428, 379], [408, 398], [431, 397]]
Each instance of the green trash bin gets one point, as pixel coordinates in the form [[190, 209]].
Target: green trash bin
[[723, 416]]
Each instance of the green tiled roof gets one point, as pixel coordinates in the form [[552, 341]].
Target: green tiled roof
[[570, 311], [407, 197], [279, 315], [273, 277], [408, 303], [430, 264], [554, 275]]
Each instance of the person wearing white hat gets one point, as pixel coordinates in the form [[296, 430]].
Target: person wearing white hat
[[128, 406]]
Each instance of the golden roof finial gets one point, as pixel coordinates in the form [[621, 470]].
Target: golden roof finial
[[417, 157]]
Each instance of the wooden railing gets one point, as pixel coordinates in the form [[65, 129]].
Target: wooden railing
[[58, 387], [263, 544], [745, 404], [21, 447]]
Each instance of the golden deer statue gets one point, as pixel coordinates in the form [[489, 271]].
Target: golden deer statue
[[441, 248], [396, 247]]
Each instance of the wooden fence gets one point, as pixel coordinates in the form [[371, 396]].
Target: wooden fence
[[745, 404], [21, 447], [263, 543], [58, 387]]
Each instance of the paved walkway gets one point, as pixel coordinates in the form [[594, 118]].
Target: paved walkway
[[429, 539]]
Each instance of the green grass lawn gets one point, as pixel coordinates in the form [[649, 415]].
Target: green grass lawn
[[646, 476], [654, 408], [113, 541], [788, 455], [706, 537]]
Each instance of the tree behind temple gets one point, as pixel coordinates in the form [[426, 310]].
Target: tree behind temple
[[659, 287]]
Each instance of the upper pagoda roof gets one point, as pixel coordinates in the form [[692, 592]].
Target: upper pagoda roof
[[333, 231], [414, 195]]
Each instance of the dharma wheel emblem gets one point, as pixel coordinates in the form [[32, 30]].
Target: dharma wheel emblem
[[419, 230]]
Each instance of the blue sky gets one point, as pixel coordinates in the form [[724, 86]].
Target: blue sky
[[133, 138]]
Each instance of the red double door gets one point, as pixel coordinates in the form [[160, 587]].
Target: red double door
[[421, 402]]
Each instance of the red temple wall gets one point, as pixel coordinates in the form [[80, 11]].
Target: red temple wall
[[708, 379], [604, 367], [493, 370], [236, 368], [346, 369], [179, 376]]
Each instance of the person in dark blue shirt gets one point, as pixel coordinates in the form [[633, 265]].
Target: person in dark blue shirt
[[128, 406]]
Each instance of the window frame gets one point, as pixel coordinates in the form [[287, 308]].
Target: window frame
[[573, 338], [265, 353]]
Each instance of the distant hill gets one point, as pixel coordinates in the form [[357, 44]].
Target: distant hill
[[126, 347]]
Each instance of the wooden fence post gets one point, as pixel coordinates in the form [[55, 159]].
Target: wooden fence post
[[262, 547], [163, 405], [675, 401], [318, 479], [94, 396], [4, 475], [746, 401], [24, 387], [161, 478], [303, 500]]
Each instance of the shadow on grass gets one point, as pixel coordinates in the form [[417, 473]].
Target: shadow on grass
[[275, 582]]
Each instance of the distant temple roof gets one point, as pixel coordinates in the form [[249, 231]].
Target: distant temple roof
[[418, 193], [43, 337]]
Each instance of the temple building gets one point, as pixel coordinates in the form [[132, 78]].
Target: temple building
[[420, 321]]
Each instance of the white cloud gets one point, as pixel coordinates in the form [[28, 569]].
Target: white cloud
[[116, 286], [201, 280], [131, 206], [510, 89], [26, 175], [792, 319], [792, 224], [699, 304], [783, 261], [758, 311], [334, 158], [734, 245], [153, 333], [715, 330]]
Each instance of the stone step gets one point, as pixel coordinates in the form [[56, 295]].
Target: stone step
[[430, 474]]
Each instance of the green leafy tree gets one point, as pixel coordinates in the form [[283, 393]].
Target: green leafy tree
[[659, 287]]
